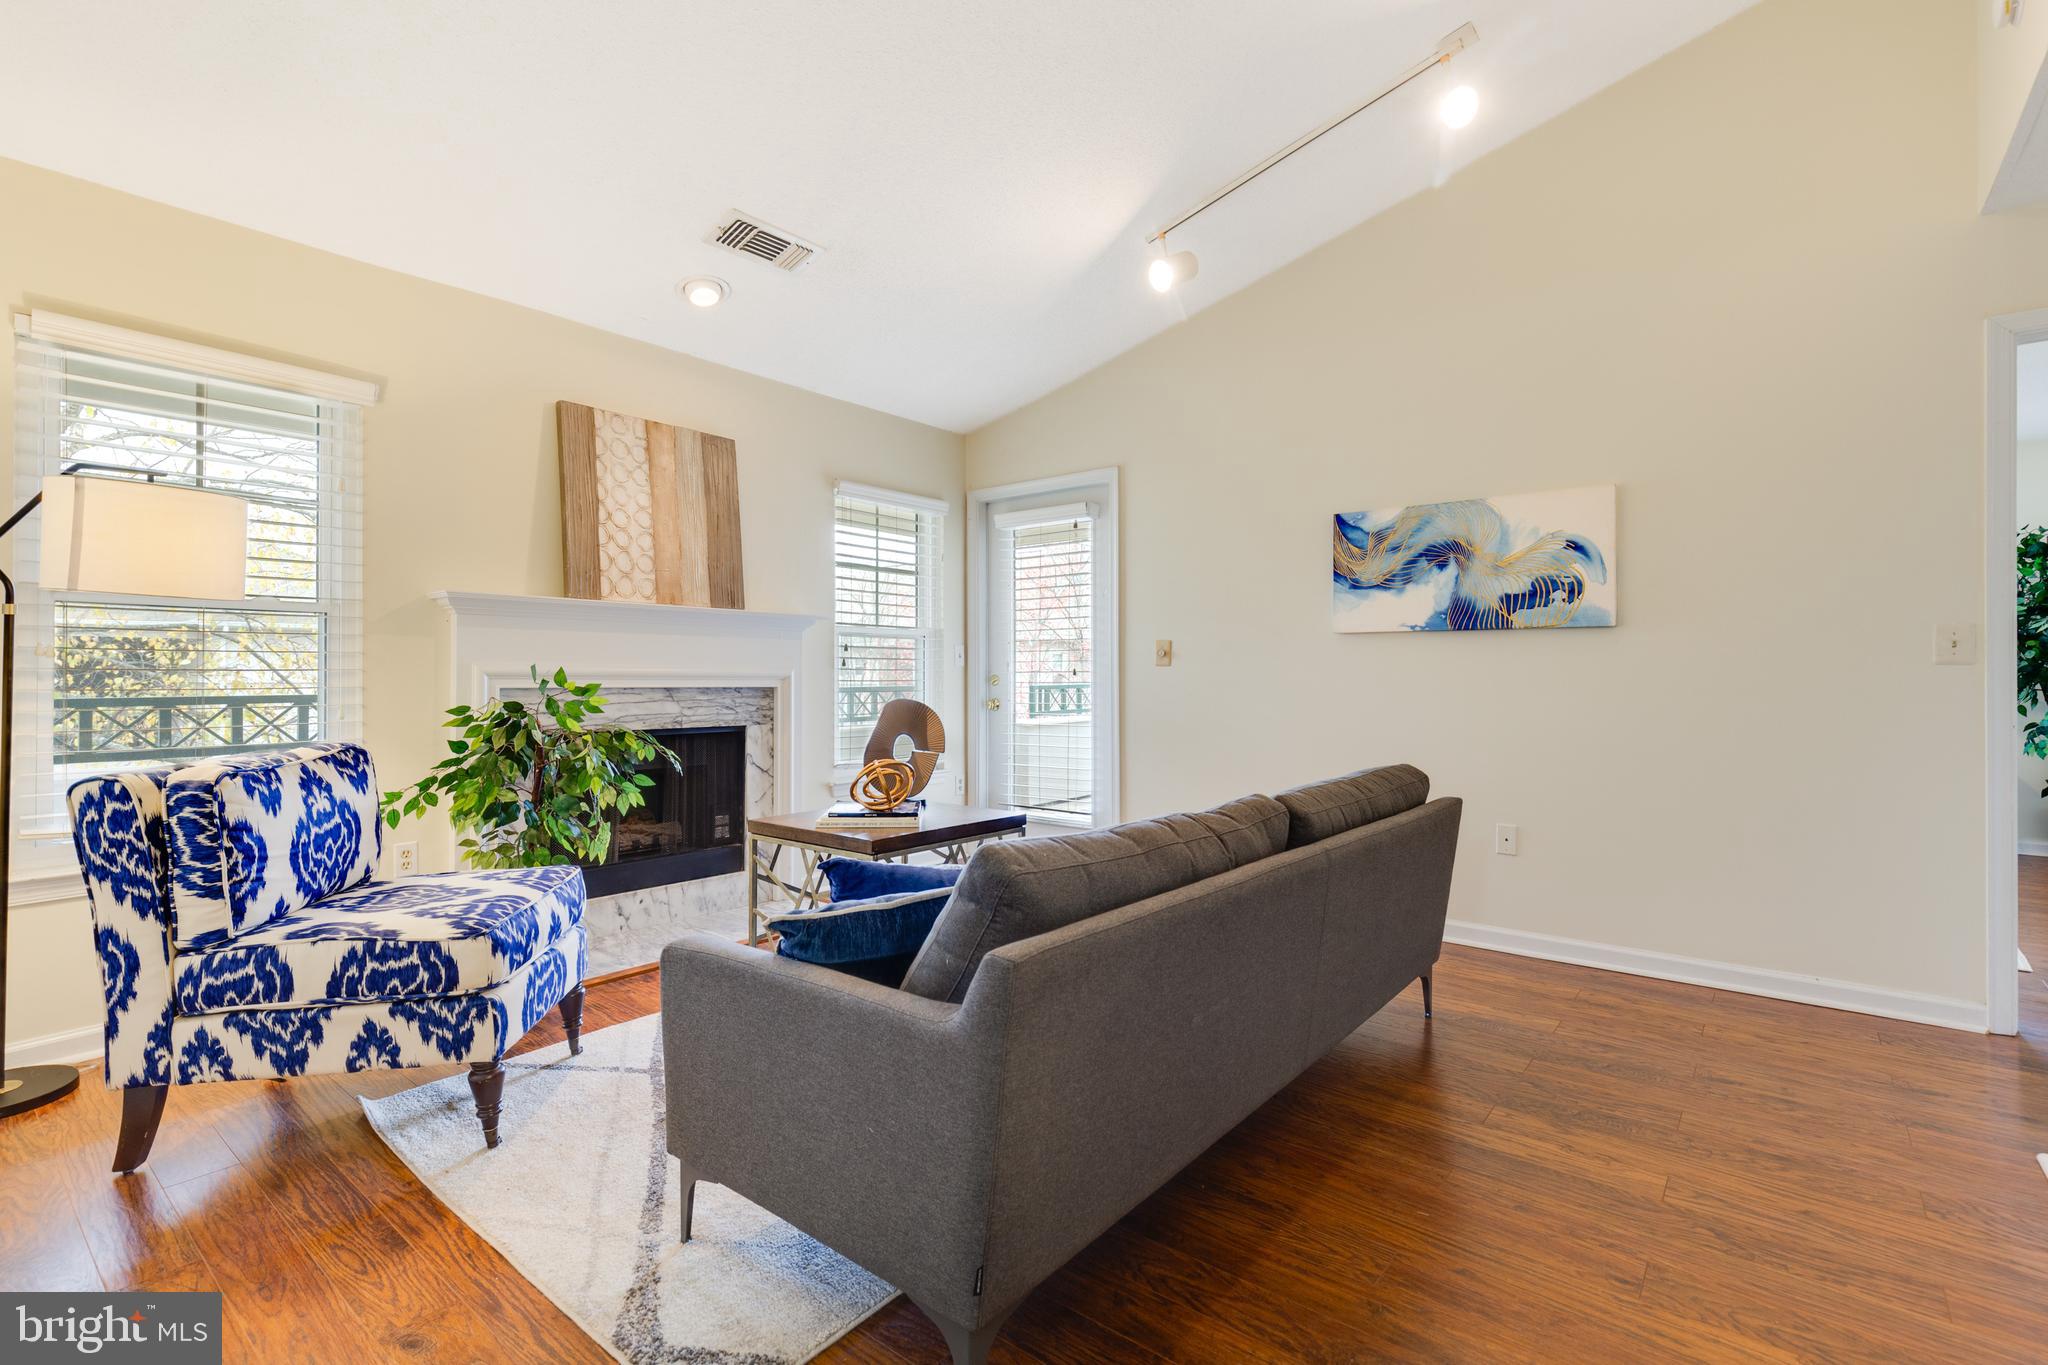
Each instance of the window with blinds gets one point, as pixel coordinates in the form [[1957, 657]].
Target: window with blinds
[[104, 682], [1044, 733], [885, 608]]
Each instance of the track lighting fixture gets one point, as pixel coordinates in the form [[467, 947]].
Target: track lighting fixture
[[1167, 271], [1457, 109]]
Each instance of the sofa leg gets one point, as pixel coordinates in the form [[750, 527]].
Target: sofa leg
[[689, 1199], [572, 1020], [969, 1345], [1425, 996], [142, 1108], [487, 1083]]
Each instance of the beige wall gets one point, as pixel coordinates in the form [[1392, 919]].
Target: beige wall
[[461, 489], [2009, 62], [1748, 285]]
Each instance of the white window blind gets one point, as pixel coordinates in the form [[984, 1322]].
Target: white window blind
[[885, 591], [105, 682], [1044, 574]]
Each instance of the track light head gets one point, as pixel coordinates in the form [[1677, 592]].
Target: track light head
[[1167, 271], [1458, 108]]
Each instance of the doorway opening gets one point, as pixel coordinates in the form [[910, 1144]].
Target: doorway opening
[[2016, 498]]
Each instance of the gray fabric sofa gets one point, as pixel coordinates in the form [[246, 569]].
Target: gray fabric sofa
[[1089, 1013]]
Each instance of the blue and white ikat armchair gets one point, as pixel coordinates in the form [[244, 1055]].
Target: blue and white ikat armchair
[[241, 936]]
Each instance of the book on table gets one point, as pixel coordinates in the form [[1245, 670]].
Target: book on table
[[852, 815]]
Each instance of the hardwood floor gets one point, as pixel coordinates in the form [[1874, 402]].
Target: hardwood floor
[[1564, 1164]]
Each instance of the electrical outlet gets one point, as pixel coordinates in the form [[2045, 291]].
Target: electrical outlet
[[406, 857], [960, 784], [1162, 653], [1955, 644], [1507, 840]]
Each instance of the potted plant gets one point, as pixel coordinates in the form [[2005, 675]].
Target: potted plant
[[531, 784]]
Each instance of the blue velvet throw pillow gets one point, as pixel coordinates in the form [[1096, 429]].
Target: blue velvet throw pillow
[[855, 879], [875, 929]]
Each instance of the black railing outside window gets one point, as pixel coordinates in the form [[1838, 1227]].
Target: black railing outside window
[[104, 729]]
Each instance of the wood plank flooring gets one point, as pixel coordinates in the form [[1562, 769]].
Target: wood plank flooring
[[1564, 1164]]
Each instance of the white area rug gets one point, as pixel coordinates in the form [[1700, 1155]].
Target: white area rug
[[581, 1196]]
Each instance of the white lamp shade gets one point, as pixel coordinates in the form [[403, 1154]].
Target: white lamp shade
[[150, 539]]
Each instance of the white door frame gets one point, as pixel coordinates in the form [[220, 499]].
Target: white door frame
[[1108, 650], [2003, 336]]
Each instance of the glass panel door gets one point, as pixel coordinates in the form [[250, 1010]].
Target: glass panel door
[[1038, 693]]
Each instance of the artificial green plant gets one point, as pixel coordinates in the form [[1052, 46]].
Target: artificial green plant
[[528, 784]]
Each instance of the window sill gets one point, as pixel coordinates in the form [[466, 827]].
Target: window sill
[[45, 885], [1066, 824]]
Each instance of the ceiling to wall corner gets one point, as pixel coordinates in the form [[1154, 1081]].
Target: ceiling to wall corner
[[979, 177]]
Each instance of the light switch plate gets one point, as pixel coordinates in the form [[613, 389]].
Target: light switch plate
[[1162, 653], [1955, 644], [1507, 840]]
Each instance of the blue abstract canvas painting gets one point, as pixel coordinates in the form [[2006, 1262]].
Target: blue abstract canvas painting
[[1533, 561]]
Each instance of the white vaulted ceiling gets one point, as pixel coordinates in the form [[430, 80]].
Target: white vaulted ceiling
[[982, 175]]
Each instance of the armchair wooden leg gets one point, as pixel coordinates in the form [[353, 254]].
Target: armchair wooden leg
[[1425, 996], [142, 1108], [487, 1083], [572, 1020]]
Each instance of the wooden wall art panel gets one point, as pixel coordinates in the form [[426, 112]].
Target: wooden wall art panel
[[650, 512]]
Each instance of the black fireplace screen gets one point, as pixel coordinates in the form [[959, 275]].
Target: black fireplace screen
[[693, 822]]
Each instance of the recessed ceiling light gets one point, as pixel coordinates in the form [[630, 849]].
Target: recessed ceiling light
[[1167, 271], [1459, 107], [704, 291]]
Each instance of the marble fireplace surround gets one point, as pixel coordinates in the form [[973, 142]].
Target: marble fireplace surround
[[662, 667]]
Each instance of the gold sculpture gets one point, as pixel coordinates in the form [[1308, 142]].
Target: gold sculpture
[[901, 754], [883, 784]]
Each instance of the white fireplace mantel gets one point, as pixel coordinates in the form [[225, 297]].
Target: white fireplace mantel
[[507, 609]]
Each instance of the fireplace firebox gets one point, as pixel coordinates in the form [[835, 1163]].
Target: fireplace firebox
[[693, 822]]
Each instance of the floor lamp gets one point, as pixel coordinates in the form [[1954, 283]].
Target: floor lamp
[[118, 535]]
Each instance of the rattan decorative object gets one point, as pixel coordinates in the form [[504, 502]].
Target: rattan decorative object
[[883, 784], [905, 719]]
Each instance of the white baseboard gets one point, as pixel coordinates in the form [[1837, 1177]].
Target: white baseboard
[[1911, 1006], [74, 1047], [2034, 848]]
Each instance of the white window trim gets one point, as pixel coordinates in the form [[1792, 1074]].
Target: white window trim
[[934, 635], [61, 329], [45, 866]]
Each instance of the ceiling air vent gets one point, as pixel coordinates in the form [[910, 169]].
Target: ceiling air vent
[[750, 237]]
